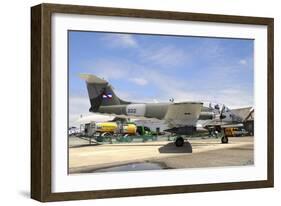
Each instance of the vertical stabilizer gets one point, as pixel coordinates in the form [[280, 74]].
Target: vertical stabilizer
[[100, 92]]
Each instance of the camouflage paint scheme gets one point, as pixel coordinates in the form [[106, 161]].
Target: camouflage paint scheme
[[104, 100]]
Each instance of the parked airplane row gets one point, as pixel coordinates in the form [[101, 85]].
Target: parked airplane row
[[181, 117]]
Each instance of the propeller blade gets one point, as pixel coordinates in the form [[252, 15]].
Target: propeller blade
[[222, 115]]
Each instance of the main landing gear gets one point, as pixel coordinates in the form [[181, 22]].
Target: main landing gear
[[179, 142], [224, 140], [184, 144]]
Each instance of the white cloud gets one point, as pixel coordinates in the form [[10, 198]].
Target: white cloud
[[78, 105], [171, 87], [233, 96], [209, 49], [110, 68], [139, 81], [120, 40], [243, 62], [127, 40], [164, 56]]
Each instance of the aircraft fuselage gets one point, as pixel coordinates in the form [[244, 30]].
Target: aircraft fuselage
[[176, 114]]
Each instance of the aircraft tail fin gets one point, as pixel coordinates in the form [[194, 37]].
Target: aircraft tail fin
[[100, 92]]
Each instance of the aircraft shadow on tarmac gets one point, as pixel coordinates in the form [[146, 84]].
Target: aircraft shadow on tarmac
[[171, 148]]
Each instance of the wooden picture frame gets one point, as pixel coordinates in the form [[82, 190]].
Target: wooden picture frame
[[41, 116]]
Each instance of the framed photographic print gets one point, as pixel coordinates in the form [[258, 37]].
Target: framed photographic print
[[128, 102]]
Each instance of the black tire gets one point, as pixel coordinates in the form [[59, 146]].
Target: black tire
[[128, 138], [99, 139], [107, 137], [179, 142], [119, 138], [224, 140]]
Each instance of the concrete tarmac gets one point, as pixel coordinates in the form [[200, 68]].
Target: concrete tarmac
[[84, 158]]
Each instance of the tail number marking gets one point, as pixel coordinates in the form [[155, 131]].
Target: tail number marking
[[132, 111]]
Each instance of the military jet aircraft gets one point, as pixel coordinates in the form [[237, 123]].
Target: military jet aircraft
[[180, 117], [217, 117]]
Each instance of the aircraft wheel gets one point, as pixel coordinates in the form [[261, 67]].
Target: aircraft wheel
[[224, 140], [119, 138], [179, 142], [107, 137], [99, 139], [128, 138]]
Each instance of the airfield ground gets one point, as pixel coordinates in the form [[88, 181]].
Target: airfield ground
[[85, 158]]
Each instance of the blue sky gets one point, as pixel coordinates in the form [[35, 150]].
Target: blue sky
[[154, 68]]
